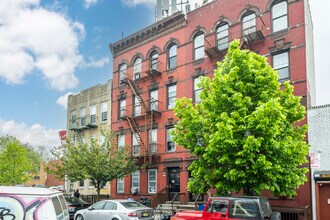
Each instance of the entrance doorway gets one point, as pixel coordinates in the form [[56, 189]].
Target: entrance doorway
[[324, 200], [173, 182]]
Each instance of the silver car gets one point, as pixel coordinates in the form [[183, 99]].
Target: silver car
[[116, 210]]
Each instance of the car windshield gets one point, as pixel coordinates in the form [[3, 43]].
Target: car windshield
[[130, 205], [74, 200]]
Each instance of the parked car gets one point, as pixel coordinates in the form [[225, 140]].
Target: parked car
[[116, 209], [32, 203], [75, 204], [233, 207]]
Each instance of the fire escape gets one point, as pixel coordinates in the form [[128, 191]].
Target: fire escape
[[148, 112], [77, 126]]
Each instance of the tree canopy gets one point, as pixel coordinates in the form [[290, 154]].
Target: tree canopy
[[245, 130], [98, 162], [18, 161]]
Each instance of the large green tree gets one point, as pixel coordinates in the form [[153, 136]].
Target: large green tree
[[98, 162], [245, 131], [18, 162]]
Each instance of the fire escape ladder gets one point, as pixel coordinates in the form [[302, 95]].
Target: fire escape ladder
[[133, 87], [135, 130], [77, 136]]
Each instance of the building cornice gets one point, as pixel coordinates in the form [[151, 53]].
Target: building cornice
[[149, 33]]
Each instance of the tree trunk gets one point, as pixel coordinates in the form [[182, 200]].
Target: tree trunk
[[98, 191], [247, 191]]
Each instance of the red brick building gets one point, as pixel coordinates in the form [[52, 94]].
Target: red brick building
[[162, 62]]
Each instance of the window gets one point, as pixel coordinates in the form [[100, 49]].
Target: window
[[153, 140], [104, 111], [170, 144], [152, 181], [121, 141], [122, 72], [154, 60], [73, 119], [98, 206], [199, 46], [122, 107], [197, 90], [172, 54], [280, 15], [102, 140], [93, 114], [154, 100], [222, 36], [90, 184], [249, 23], [83, 116], [137, 106], [171, 96], [81, 183], [110, 206], [281, 64], [136, 179], [135, 146], [137, 68], [120, 185]]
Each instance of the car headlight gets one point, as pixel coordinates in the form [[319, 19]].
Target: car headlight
[[71, 209]]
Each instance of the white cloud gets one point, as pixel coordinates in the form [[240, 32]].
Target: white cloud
[[63, 100], [89, 3], [132, 3], [34, 38], [97, 63], [36, 135]]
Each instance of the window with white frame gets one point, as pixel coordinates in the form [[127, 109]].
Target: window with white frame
[[154, 60], [172, 55], [122, 107], [197, 90], [90, 184], [154, 99], [171, 96], [102, 140], [281, 64], [73, 119], [81, 183], [137, 68], [104, 111], [136, 179], [122, 72], [120, 185], [222, 36], [199, 46], [137, 106], [152, 180], [153, 140], [279, 15], [135, 146], [170, 144], [121, 141], [93, 114], [249, 23], [82, 116]]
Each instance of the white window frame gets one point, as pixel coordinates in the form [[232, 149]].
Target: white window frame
[[137, 106], [249, 23], [137, 68], [73, 119], [171, 96], [197, 90], [136, 180], [172, 55], [93, 114], [121, 141], [153, 140], [222, 36], [122, 72], [135, 146], [281, 19], [104, 111], [82, 116], [278, 65], [120, 185], [169, 140], [199, 46], [152, 182], [122, 107]]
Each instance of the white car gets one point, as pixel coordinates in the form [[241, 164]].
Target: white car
[[116, 210]]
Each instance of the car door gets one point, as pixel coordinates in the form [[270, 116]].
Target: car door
[[109, 210], [94, 212], [217, 210]]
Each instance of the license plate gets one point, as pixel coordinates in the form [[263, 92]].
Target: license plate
[[145, 214]]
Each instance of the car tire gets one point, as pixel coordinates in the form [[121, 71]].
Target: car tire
[[79, 217], [275, 216]]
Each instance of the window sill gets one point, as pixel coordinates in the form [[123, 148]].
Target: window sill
[[198, 61]]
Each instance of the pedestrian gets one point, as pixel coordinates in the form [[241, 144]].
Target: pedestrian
[[76, 193]]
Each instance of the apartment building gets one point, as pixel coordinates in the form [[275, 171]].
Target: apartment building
[[88, 113], [162, 62]]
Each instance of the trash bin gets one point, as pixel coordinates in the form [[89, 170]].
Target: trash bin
[[201, 206]]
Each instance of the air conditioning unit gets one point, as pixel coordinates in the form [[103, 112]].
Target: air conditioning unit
[[134, 190]]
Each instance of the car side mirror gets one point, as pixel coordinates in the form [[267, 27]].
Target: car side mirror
[[90, 208]]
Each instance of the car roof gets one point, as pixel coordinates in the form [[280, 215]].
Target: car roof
[[239, 197], [21, 190]]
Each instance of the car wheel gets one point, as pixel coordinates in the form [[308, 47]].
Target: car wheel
[[79, 217], [275, 216]]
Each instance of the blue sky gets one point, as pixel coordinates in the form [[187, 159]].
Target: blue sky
[[49, 49]]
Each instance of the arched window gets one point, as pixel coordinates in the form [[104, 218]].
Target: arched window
[[122, 72], [172, 55], [154, 60], [222, 36], [199, 46], [279, 16], [137, 68], [249, 23]]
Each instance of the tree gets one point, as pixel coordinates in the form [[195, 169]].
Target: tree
[[245, 131], [98, 162], [18, 161]]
